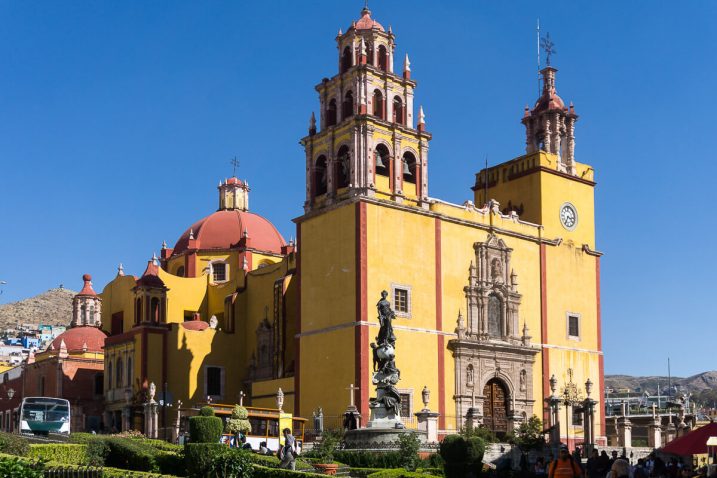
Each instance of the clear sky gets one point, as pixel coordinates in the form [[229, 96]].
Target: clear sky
[[118, 119]]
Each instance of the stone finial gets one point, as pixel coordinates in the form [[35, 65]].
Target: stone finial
[[460, 326], [312, 124], [425, 396], [164, 245], [513, 279], [245, 265], [155, 260], [362, 50], [191, 234], [526, 335], [340, 33], [280, 399], [245, 234], [406, 64], [84, 346], [390, 30], [120, 270]]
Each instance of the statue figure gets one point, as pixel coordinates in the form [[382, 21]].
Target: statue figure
[[152, 391], [385, 316], [386, 406]]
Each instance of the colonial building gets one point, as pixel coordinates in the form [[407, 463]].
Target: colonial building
[[493, 297], [71, 367]]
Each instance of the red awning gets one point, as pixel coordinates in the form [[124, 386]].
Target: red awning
[[695, 442]]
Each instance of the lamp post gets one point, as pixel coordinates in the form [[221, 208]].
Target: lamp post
[[571, 396]]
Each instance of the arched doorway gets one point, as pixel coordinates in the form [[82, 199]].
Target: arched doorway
[[495, 406]]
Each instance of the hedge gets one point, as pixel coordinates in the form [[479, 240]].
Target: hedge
[[198, 457], [205, 429], [64, 453], [16, 467], [13, 444], [367, 459], [271, 461], [399, 473], [363, 472], [266, 472]]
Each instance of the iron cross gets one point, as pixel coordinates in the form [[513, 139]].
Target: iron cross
[[235, 163], [547, 44]]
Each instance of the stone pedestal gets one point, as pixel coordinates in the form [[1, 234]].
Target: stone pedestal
[[654, 435], [151, 421], [428, 422], [352, 418], [670, 433], [474, 419], [624, 432]]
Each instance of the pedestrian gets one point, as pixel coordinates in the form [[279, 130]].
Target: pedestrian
[[539, 468], [287, 453], [620, 469], [564, 466], [593, 466]]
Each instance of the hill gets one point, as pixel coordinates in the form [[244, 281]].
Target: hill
[[53, 307], [702, 386]]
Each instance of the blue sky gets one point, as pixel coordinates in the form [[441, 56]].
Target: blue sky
[[119, 118]]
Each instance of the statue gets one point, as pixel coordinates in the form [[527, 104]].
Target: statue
[[386, 407], [152, 391], [385, 316]]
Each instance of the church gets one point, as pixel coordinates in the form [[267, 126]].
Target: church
[[493, 297]]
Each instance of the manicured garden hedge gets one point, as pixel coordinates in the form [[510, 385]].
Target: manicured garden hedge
[[205, 429], [198, 457], [13, 444], [266, 472], [400, 473], [65, 453]]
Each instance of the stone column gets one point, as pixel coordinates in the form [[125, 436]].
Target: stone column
[[624, 432], [428, 422], [670, 433], [654, 434], [126, 414]]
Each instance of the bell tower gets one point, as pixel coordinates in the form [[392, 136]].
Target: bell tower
[[367, 142]]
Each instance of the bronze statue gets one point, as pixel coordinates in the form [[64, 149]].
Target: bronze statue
[[385, 317]]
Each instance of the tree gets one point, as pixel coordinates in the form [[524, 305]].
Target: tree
[[238, 423], [529, 435]]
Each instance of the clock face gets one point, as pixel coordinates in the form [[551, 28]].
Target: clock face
[[568, 216]]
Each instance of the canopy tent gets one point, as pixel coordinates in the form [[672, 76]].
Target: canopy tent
[[694, 443]]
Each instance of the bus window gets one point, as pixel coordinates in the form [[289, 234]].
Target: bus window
[[273, 428], [258, 426]]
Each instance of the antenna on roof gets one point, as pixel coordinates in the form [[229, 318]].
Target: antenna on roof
[[537, 31], [235, 163]]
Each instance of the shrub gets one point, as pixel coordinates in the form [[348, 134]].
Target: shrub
[[231, 463], [474, 459], [238, 423], [96, 452], [454, 451], [198, 457], [409, 444], [204, 429], [324, 450], [529, 435], [399, 473], [81, 437], [365, 459], [125, 453], [13, 444], [64, 453], [265, 472], [17, 468], [206, 412]]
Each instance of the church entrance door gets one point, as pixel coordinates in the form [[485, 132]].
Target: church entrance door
[[495, 407]]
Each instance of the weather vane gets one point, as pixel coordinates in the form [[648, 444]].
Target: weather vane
[[547, 44], [235, 163]]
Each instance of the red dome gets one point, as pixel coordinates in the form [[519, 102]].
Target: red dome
[[366, 22], [224, 229], [76, 338]]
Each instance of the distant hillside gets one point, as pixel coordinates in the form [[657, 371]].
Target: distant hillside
[[53, 307], [702, 386]]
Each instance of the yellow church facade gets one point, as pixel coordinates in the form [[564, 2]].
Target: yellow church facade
[[493, 297]]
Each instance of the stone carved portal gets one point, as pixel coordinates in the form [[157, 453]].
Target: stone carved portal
[[493, 358]]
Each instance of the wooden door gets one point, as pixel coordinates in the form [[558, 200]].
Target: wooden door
[[495, 406]]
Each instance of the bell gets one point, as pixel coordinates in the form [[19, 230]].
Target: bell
[[406, 169]]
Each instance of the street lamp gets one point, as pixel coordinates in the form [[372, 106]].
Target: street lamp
[[571, 396]]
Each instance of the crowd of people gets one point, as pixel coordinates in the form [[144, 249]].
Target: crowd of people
[[602, 465]]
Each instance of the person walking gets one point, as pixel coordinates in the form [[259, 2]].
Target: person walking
[[564, 466], [287, 453]]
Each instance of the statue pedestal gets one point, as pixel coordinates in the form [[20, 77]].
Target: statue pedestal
[[428, 422], [378, 438], [654, 435], [352, 418], [382, 418]]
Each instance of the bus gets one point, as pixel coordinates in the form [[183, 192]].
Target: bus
[[44, 416], [266, 426]]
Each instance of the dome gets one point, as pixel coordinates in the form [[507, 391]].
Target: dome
[[77, 337], [224, 229], [549, 102], [366, 22]]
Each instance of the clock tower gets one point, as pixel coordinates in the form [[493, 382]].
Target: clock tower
[[546, 186]]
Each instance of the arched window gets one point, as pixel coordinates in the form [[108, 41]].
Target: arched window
[[341, 167], [383, 58], [378, 106], [348, 109], [138, 310], [383, 160], [92, 314], [495, 311], [346, 60], [154, 309], [369, 53], [119, 383], [331, 113], [409, 168], [180, 271], [129, 371], [320, 176], [398, 116]]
